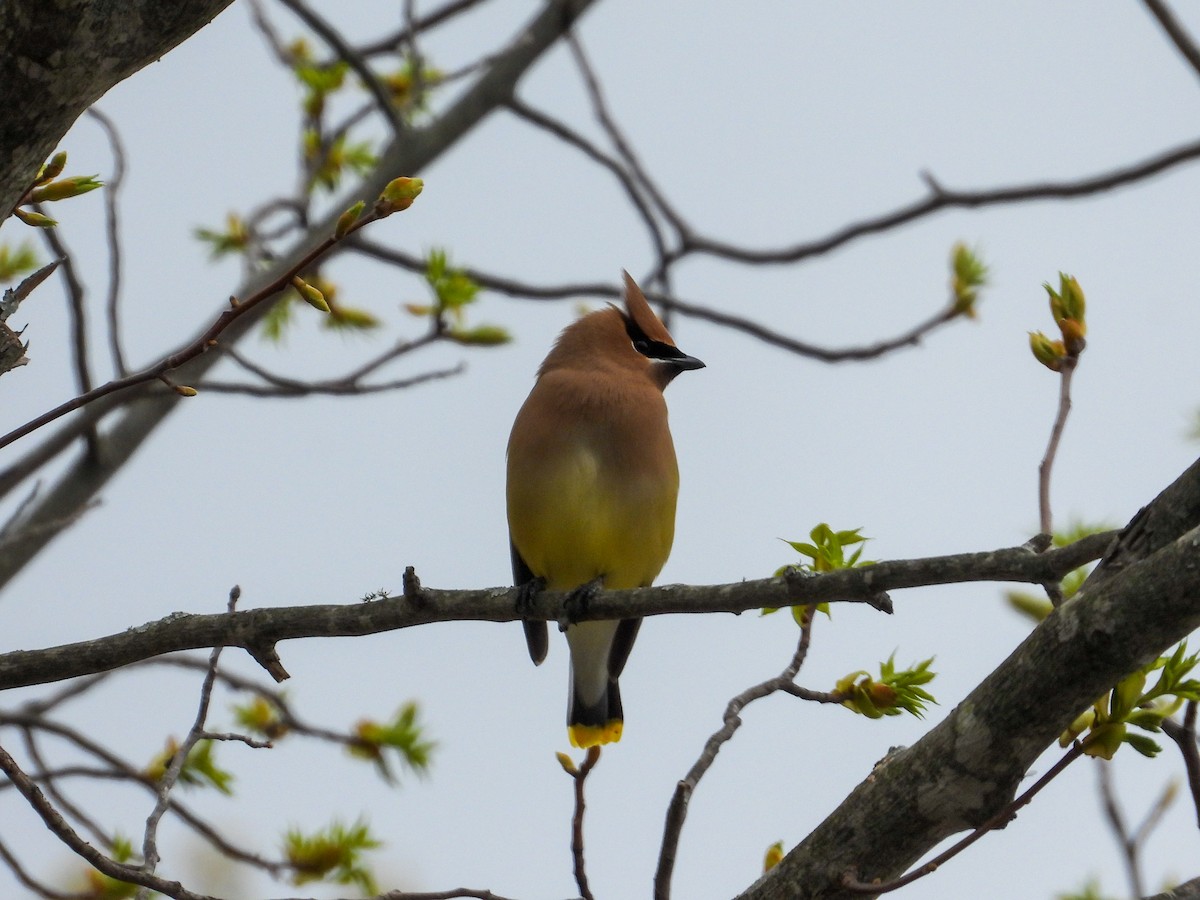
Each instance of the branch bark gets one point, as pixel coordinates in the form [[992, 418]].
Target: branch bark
[[259, 630], [969, 766], [60, 58]]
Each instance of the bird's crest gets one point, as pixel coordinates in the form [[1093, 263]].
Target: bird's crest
[[642, 315]]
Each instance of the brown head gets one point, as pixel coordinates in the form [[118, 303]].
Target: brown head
[[633, 340]]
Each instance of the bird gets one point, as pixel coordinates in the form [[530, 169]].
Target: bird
[[592, 483]]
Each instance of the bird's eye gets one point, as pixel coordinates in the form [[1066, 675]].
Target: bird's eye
[[642, 347]]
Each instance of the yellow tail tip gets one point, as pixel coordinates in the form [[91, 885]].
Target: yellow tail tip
[[584, 736]]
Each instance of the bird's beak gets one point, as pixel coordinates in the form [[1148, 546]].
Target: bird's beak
[[685, 363]]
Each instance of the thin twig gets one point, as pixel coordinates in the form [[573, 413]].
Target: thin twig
[[1180, 38], [345, 385], [513, 288], [1184, 737], [452, 894], [68, 808], [76, 296], [195, 734], [677, 810], [569, 136], [352, 58], [579, 775], [1119, 828], [329, 388], [909, 338], [617, 136], [1046, 467], [57, 443], [112, 230], [63, 831], [76, 688], [32, 883], [197, 347], [850, 882], [942, 198]]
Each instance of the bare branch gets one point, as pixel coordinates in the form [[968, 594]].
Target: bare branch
[[1188, 891], [349, 384], [1120, 830], [421, 24], [112, 230], [571, 137], [677, 810], [1046, 467], [1184, 737], [470, 893], [909, 338], [632, 162], [174, 769], [579, 776], [352, 58], [200, 345], [65, 805], [62, 830], [336, 388], [32, 883], [513, 288], [943, 198], [76, 294], [12, 348], [122, 770], [259, 630], [1179, 37], [999, 820]]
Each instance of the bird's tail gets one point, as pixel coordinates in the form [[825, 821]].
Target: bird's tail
[[594, 713], [589, 724]]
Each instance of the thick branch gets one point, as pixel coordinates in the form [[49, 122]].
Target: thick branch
[[60, 58], [969, 766], [258, 630]]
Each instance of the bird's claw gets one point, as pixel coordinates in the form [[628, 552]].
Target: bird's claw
[[527, 594], [576, 604]]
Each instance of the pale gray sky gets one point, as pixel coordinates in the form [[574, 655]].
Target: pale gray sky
[[766, 123]]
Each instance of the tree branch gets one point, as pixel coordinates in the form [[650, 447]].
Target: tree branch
[[732, 721], [1180, 38], [970, 765], [63, 831], [259, 630], [60, 58], [941, 198]]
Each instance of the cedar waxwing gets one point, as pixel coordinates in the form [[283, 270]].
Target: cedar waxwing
[[592, 483]]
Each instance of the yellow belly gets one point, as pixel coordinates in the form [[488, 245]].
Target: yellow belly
[[581, 519]]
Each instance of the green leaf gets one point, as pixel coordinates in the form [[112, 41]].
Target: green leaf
[[1142, 744], [403, 737], [480, 335], [322, 79], [890, 694], [234, 239], [347, 318], [968, 275], [333, 854], [278, 318], [14, 263]]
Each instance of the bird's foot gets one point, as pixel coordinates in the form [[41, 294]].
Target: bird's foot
[[527, 593], [576, 604]]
